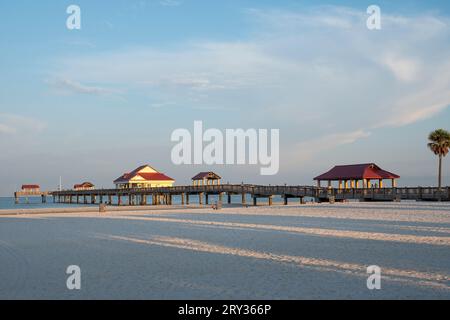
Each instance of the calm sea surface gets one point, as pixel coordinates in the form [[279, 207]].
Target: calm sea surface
[[35, 202]]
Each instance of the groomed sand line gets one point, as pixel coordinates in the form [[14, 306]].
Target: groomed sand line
[[438, 216], [419, 278], [361, 235], [413, 217], [418, 228], [95, 209]]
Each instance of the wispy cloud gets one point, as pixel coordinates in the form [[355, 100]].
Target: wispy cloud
[[166, 3], [404, 69], [307, 149], [69, 86], [6, 129], [170, 3], [322, 62], [11, 124]]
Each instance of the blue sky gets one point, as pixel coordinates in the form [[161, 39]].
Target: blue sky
[[90, 104]]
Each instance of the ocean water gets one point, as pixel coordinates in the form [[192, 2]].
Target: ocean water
[[35, 202]]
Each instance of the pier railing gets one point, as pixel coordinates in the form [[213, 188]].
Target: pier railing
[[255, 191]]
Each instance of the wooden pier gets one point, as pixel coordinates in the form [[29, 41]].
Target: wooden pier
[[164, 196], [30, 194]]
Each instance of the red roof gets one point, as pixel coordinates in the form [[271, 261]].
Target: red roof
[[30, 186], [357, 171], [155, 176]]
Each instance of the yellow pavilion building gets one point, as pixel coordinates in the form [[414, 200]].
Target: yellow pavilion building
[[143, 177]]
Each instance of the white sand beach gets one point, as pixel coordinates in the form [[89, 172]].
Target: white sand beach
[[282, 252]]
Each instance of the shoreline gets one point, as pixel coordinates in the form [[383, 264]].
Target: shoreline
[[95, 209], [226, 207]]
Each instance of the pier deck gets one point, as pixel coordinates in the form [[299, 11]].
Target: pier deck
[[164, 195], [30, 194]]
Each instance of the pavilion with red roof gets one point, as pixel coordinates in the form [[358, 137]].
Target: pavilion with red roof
[[143, 177], [350, 176]]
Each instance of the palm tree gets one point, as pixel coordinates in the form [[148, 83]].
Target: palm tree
[[439, 144]]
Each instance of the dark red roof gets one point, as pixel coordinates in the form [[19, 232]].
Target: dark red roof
[[124, 178], [156, 176], [203, 175], [357, 171], [30, 186], [83, 185]]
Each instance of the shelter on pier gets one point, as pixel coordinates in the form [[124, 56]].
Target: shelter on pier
[[31, 188], [143, 177], [206, 179], [84, 186], [350, 176]]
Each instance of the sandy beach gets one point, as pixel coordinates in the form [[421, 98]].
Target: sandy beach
[[281, 252]]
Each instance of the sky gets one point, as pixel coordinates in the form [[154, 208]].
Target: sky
[[94, 103]]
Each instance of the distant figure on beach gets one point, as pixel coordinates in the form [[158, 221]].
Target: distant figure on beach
[[217, 206]]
